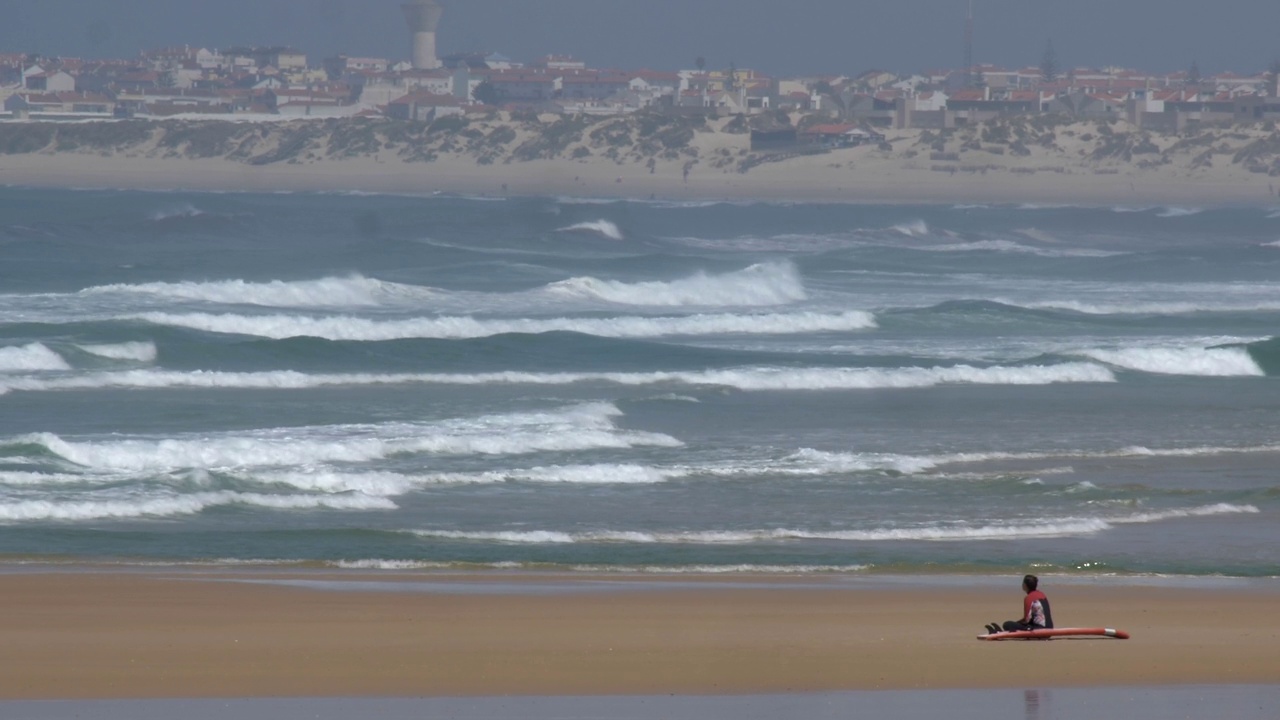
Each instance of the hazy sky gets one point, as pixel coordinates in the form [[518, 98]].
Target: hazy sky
[[775, 36]]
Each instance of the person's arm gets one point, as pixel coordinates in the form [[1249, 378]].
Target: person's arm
[[1026, 609]]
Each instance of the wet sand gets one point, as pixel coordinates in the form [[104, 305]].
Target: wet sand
[[1239, 702], [76, 635]]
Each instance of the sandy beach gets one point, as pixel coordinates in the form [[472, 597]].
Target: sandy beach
[[1078, 163], [817, 179], [99, 635]]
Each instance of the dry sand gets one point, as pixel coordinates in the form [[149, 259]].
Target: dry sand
[[853, 175], [131, 635]]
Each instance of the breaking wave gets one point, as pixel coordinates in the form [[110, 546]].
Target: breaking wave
[[747, 379], [913, 228], [143, 352], [193, 504], [776, 283], [28, 358], [1150, 308], [355, 291], [1209, 362], [582, 427], [1008, 246], [183, 210], [600, 227], [1173, 212], [819, 461], [460, 327], [390, 483]]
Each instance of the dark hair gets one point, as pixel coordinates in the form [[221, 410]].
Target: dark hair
[[1030, 582]]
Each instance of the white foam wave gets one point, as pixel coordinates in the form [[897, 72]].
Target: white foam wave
[[28, 510], [1210, 362], [352, 291], [744, 537], [739, 569], [951, 532], [775, 283], [1202, 511], [1173, 212], [143, 352], [601, 227], [1133, 451], [746, 379], [913, 228], [744, 569], [37, 479], [1008, 246], [569, 200], [577, 428], [376, 564], [30, 358], [1150, 308], [384, 484], [829, 462], [182, 210], [459, 327]]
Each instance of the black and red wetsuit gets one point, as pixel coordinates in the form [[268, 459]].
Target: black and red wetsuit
[[1036, 614]]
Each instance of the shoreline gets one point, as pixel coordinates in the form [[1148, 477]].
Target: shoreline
[[101, 634], [802, 180]]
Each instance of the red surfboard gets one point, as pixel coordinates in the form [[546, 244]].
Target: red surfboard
[[1056, 632]]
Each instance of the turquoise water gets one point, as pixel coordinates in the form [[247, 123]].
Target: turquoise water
[[377, 381]]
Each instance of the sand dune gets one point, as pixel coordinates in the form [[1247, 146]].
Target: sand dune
[[1001, 162]]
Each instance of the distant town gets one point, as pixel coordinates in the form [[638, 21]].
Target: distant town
[[285, 83]]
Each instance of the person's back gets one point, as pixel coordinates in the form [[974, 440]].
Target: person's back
[[1037, 610], [1036, 613]]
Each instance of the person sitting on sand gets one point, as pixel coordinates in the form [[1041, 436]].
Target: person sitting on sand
[[1036, 614]]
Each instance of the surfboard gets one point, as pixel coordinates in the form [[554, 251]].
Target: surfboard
[[1056, 632]]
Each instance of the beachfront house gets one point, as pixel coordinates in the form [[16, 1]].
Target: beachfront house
[[38, 79], [424, 106], [838, 135], [65, 105]]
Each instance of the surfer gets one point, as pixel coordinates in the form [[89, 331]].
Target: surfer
[[1035, 610]]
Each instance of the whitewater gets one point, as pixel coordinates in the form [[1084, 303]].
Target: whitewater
[[378, 382]]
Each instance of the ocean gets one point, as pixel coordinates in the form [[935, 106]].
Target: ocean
[[373, 381]]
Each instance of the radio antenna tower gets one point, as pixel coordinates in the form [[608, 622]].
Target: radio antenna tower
[[968, 48]]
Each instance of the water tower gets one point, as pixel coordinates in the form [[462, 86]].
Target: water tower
[[423, 16]]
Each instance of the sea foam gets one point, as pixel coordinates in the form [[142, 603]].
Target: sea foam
[[1008, 246], [391, 484], [32, 510], [912, 228], [28, 358], [941, 532], [460, 327], [599, 227], [143, 352], [747, 379], [354, 291], [775, 283], [1208, 362], [582, 427]]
